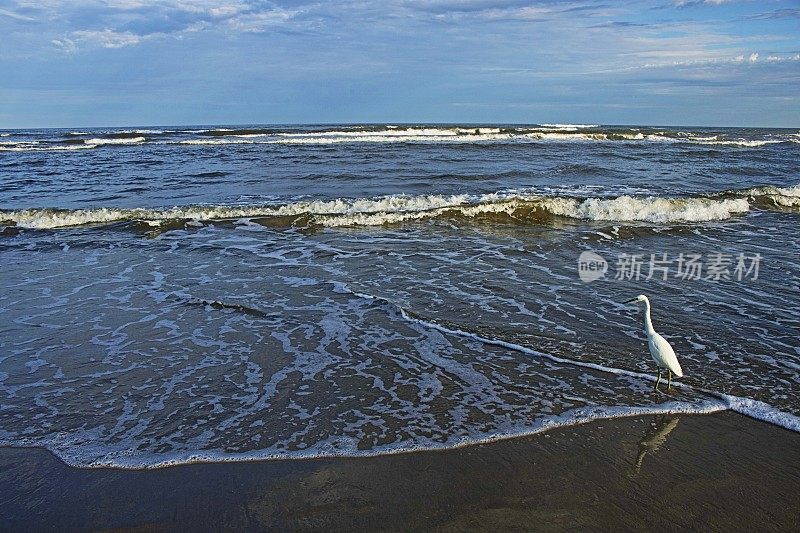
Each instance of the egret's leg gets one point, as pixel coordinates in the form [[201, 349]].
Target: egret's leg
[[669, 379], [659, 379]]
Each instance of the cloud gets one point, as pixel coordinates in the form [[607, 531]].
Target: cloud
[[500, 10], [260, 21], [67, 45], [690, 3], [462, 6], [739, 59], [303, 60], [776, 15], [621, 24], [117, 24], [16, 16], [108, 38], [104, 38], [772, 59]]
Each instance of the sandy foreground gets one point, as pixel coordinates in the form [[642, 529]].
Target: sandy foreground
[[721, 472]]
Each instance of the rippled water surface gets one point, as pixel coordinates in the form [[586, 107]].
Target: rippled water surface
[[175, 294]]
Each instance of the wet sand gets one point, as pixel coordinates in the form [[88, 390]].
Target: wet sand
[[720, 472]]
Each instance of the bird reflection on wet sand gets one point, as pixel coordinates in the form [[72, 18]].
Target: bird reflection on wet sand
[[654, 438]]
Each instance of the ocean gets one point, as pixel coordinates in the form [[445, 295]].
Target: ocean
[[226, 293]]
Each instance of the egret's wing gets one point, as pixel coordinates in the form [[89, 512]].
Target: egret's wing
[[663, 351]]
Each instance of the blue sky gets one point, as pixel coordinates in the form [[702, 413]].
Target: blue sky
[[172, 62]]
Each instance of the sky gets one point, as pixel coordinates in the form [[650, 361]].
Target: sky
[[183, 62]]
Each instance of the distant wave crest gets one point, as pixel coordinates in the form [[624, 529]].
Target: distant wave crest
[[420, 134]]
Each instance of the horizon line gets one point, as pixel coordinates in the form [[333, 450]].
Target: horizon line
[[392, 123]]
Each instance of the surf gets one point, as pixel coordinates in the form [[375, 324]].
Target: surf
[[512, 206]]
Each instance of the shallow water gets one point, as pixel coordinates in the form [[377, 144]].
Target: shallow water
[[178, 294]]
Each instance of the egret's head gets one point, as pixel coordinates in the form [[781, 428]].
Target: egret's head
[[640, 298]]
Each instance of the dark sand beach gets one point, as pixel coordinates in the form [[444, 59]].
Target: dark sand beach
[[720, 472]]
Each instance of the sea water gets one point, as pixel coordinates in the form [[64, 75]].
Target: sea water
[[196, 293]]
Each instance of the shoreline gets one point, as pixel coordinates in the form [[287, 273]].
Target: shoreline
[[712, 471], [568, 419]]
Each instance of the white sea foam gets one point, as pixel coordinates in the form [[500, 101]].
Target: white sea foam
[[450, 135], [123, 140], [396, 135], [483, 135], [322, 139], [769, 190], [714, 140], [348, 447], [221, 130], [762, 411], [477, 131], [621, 209], [145, 131], [611, 136], [11, 144], [408, 132], [570, 126], [793, 191], [34, 146], [402, 208], [92, 448], [788, 197], [85, 449], [650, 209], [392, 134], [698, 137], [746, 406], [214, 141], [744, 143]]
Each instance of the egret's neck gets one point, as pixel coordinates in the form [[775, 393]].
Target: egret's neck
[[648, 324]]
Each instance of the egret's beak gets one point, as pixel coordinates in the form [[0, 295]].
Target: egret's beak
[[631, 301]]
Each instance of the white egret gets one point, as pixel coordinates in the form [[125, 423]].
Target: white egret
[[660, 349]]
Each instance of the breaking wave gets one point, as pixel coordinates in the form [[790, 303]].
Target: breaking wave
[[116, 140], [545, 133], [503, 207], [34, 146], [779, 197], [214, 141], [72, 142], [570, 126]]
